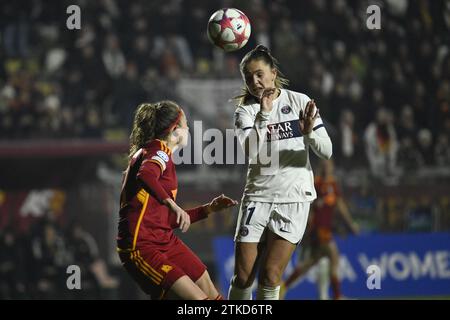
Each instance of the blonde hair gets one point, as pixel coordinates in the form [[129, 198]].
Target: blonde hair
[[260, 52]]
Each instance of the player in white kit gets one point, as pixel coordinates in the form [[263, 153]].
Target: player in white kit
[[282, 126]]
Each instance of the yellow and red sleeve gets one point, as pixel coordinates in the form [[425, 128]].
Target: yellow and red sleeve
[[149, 174]]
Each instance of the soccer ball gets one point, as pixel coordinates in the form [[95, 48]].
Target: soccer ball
[[229, 29]]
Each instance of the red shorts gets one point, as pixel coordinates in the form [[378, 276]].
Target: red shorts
[[321, 236], [156, 269]]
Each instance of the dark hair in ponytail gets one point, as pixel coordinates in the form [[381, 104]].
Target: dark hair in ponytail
[[151, 121], [260, 52]]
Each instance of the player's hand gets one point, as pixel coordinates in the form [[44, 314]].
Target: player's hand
[[219, 203], [266, 99], [183, 218], [308, 117]]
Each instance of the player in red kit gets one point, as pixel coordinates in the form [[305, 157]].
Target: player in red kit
[[320, 227], [162, 265]]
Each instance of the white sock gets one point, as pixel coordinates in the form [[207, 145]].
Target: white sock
[[235, 293], [268, 293], [323, 278]]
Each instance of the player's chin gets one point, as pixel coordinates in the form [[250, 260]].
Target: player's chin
[[257, 92], [183, 144]]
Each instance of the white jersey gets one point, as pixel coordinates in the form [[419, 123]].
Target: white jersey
[[292, 180]]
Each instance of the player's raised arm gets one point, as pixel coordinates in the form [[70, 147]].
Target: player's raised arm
[[314, 132]]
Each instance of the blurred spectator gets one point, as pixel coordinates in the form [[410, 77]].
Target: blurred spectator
[[442, 151], [173, 51], [409, 157], [85, 254], [16, 21], [51, 259], [112, 56], [381, 145], [12, 272], [365, 206], [420, 216], [425, 146], [406, 125], [348, 135], [129, 93]]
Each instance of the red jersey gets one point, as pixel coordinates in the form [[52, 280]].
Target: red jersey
[[325, 205], [149, 179]]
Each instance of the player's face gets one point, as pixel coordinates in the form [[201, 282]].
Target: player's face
[[182, 131], [258, 75]]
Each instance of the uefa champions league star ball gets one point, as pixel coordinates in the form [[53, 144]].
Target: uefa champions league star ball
[[229, 29]]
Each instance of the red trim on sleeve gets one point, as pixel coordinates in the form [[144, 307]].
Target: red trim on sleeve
[[196, 214]]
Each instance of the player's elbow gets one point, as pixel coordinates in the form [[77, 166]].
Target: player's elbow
[[327, 152], [326, 156]]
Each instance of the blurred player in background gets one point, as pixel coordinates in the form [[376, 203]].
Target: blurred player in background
[[162, 265], [275, 206], [320, 235]]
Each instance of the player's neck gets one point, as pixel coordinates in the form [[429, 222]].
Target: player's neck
[[171, 145], [278, 93], [276, 96]]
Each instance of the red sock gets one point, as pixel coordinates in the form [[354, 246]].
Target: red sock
[[336, 287]]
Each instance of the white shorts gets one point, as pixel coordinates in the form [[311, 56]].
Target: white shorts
[[288, 220]]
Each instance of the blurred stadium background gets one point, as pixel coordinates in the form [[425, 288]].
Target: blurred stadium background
[[67, 99]]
